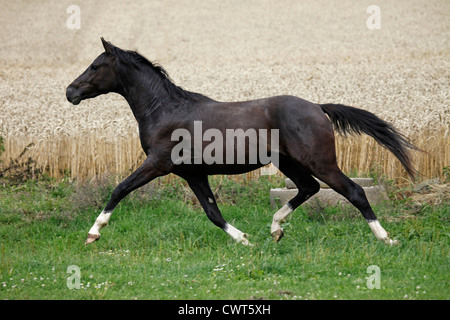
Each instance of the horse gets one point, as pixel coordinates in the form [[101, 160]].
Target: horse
[[299, 136]]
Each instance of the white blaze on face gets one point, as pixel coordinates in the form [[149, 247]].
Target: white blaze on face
[[101, 221], [279, 217]]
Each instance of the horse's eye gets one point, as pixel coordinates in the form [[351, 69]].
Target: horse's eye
[[93, 67]]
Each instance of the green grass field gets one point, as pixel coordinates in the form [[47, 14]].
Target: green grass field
[[160, 245]]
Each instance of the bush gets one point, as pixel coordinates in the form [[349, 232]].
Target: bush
[[22, 168]]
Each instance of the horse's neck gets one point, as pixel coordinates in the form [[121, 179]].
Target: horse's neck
[[144, 94]]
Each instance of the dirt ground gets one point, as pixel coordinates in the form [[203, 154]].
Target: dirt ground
[[230, 50], [431, 192]]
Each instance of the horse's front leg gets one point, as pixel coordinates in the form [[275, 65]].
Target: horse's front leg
[[199, 184], [148, 171]]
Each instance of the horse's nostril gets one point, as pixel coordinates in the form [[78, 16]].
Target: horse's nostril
[[69, 92]]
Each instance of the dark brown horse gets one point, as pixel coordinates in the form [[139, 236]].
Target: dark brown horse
[[177, 128]]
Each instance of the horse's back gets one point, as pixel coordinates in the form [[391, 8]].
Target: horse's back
[[291, 114], [273, 112]]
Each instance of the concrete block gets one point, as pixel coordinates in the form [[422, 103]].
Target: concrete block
[[280, 196], [363, 182]]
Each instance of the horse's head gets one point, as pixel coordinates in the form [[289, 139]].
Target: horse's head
[[99, 78]]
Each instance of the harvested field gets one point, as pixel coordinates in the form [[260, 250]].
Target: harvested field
[[230, 50]]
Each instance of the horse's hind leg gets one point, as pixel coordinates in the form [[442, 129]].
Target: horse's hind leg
[[356, 195], [307, 186]]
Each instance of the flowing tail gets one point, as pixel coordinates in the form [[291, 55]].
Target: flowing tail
[[353, 120]]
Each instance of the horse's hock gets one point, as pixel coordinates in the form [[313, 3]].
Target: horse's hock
[[327, 196]]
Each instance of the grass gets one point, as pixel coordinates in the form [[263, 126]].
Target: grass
[[167, 249]]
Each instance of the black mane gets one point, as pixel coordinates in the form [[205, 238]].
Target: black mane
[[136, 60]]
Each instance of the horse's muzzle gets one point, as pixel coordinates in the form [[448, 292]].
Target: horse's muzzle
[[73, 95]]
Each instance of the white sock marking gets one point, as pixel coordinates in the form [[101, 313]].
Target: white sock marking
[[236, 234], [280, 217], [380, 233], [101, 221]]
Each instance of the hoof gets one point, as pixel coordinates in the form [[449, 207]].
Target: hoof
[[244, 240], [91, 238], [391, 242], [277, 235]]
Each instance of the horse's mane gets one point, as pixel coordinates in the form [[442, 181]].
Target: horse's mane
[[136, 60]]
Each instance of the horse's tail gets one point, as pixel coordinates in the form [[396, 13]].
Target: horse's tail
[[353, 120]]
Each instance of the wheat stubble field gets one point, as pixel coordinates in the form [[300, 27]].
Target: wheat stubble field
[[230, 50]]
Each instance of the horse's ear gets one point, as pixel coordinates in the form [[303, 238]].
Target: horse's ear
[[108, 46]]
